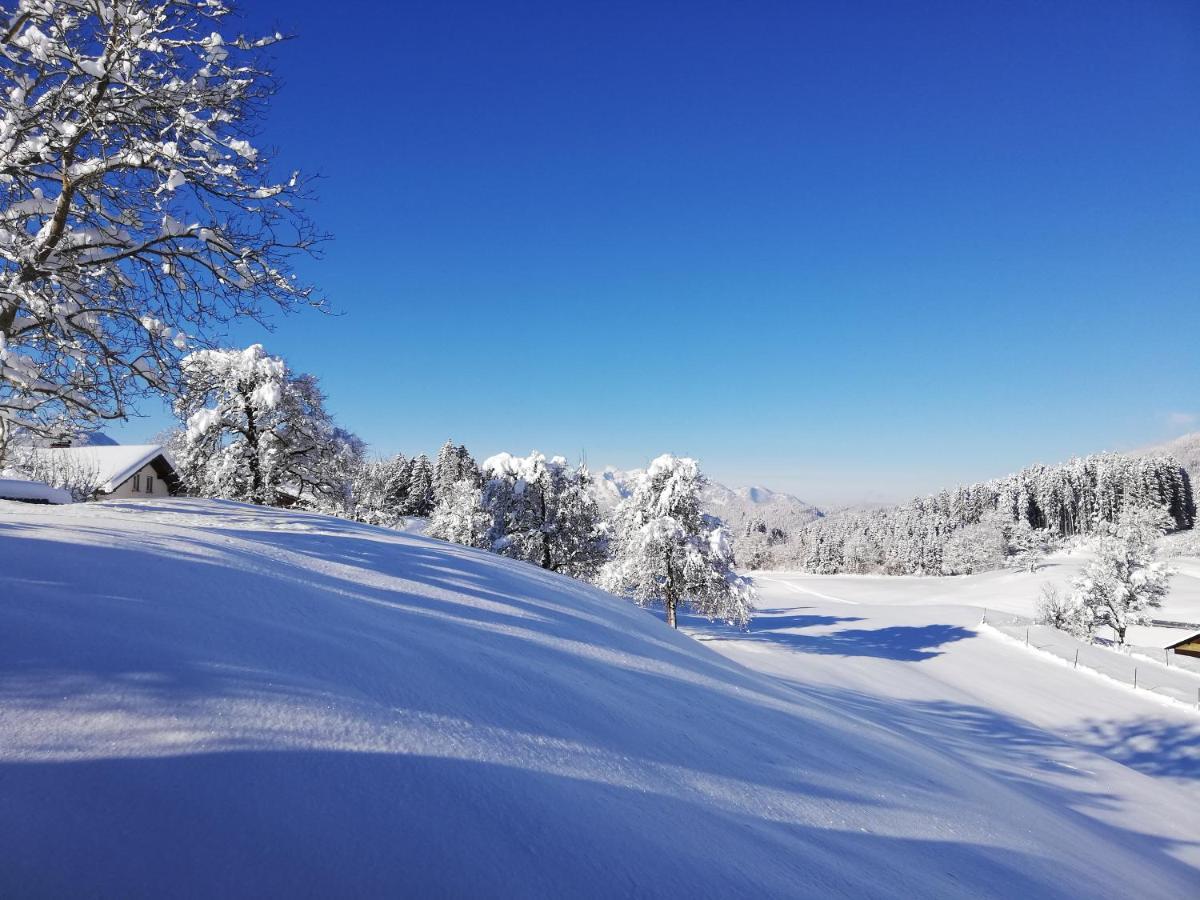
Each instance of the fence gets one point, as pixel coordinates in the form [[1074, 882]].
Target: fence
[[1143, 668]]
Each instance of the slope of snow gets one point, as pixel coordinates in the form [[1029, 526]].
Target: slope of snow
[[209, 699], [1007, 590]]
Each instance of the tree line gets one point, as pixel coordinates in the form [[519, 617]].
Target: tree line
[[986, 525]]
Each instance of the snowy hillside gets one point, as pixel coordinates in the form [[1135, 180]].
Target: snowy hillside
[[210, 699]]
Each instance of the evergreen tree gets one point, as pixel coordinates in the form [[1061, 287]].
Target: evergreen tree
[[453, 464], [418, 500]]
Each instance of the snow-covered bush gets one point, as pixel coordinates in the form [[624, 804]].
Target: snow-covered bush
[[666, 551], [136, 214], [1064, 613]]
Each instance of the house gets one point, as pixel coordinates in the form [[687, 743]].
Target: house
[[1189, 646], [120, 471]]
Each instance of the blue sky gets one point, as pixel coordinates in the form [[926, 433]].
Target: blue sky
[[857, 250]]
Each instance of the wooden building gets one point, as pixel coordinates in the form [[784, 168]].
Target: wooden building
[[1189, 646]]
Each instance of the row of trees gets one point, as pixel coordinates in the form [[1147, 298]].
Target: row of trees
[[136, 218], [255, 431], [1006, 521]]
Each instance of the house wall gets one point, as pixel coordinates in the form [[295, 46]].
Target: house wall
[[125, 491]]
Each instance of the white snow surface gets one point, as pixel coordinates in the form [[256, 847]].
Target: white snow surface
[[36, 491], [207, 699]]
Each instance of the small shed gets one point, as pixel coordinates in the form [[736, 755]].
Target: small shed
[[121, 471], [1189, 646]]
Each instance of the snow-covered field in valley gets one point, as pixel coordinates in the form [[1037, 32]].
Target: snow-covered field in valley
[[210, 699]]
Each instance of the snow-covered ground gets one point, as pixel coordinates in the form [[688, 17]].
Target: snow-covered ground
[[1004, 590], [208, 699]]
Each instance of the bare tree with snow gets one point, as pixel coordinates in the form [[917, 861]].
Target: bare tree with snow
[[668, 552], [254, 428], [136, 214], [1124, 584]]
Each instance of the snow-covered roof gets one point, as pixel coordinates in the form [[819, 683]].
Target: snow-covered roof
[[31, 491], [113, 465]]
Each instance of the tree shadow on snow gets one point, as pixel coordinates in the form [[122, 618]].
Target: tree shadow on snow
[[636, 734], [904, 643], [1150, 746]]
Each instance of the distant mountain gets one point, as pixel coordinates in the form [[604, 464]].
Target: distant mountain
[[86, 439], [95, 439], [734, 506]]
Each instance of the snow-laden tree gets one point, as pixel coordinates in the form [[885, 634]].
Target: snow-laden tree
[[418, 498], [254, 428], [667, 551], [1027, 546], [1123, 584], [453, 464], [460, 517], [136, 214], [975, 548], [544, 512], [379, 488]]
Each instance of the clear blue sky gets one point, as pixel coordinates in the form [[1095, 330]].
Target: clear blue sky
[[847, 250]]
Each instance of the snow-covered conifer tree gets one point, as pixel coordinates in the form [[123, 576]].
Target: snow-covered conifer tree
[[453, 464], [135, 216], [418, 500], [666, 551]]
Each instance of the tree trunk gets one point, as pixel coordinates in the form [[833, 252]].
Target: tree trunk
[[257, 494], [670, 604]]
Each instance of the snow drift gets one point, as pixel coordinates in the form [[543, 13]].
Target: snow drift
[[208, 699]]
